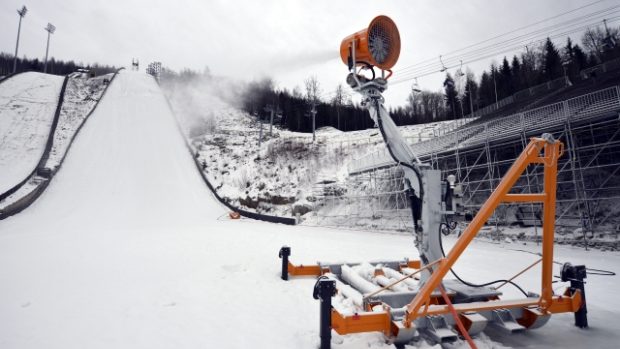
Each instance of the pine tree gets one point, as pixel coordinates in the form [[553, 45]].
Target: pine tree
[[450, 95], [471, 90], [569, 52], [568, 57], [485, 94], [581, 60], [552, 62], [528, 68], [517, 77], [505, 87]]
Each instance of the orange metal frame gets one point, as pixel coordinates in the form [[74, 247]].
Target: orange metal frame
[[316, 270], [539, 151], [423, 304]]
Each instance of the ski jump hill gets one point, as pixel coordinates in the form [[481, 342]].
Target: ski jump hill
[[128, 248]]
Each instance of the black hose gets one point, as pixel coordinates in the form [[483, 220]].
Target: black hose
[[369, 67], [443, 253], [415, 170]]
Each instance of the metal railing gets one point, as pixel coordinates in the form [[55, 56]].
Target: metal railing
[[523, 94], [580, 108], [601, 68]]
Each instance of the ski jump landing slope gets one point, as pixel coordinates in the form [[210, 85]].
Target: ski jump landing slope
[[126, 249], [27, 105]]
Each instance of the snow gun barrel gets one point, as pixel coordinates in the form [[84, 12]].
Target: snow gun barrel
[[377, 45]]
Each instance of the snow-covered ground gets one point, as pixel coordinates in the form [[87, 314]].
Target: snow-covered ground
[[290, 175], [128, 249], [27, 105], [81, 96], [284, 175]]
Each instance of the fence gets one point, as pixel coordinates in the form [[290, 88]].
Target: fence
[[479, 155]]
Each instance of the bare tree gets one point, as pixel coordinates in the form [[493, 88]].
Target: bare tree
[[592, 40], [313, 89], [529, 66], [426, 106], [341, 98], [297, 92]]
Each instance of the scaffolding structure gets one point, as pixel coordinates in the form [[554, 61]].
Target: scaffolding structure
[[480, 153], [373, 199]]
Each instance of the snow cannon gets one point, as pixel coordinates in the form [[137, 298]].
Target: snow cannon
[[411, 299], [377, 45]]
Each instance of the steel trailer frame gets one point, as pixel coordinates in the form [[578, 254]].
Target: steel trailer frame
[[426, 311]]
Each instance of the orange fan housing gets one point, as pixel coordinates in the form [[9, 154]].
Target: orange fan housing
[[378, 45]]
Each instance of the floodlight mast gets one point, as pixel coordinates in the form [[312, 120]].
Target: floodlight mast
[[22, 13], [50, 29]]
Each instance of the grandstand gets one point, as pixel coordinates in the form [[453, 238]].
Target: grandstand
[[481, 151]]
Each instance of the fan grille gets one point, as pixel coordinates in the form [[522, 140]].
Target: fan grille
[[379, 42], [383, 41]]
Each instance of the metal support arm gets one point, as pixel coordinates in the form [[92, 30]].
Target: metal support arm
[[531, 155]]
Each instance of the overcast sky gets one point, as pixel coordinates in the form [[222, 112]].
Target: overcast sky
[[289, 40]]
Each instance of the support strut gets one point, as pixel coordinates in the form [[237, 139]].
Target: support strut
[[575, 274], [285, 252], [324, 290]]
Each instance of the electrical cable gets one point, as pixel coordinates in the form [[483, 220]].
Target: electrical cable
[[430, 71], [554, 27], [443, 253], [409, 78], [499, 48], [523, 38], [503, 47], [506, 33], [413, 168], [589, 271], [601, 272]]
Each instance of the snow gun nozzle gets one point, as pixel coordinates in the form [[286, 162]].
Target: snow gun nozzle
[[377, 45]]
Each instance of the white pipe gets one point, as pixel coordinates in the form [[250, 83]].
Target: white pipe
[[347, 291], [354, 279], [385, 281], [393, 274]]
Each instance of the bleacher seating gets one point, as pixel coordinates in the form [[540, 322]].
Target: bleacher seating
[[577, 109]]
